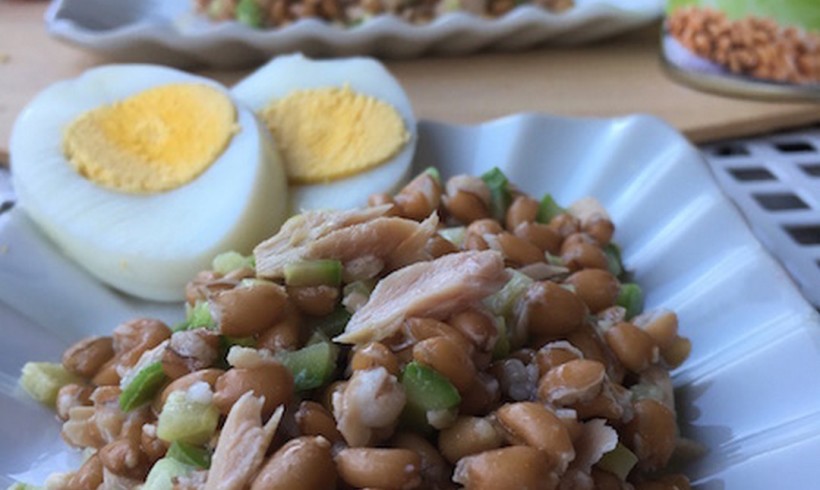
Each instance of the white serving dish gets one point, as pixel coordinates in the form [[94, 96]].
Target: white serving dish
[[747, 393], [166, 31]]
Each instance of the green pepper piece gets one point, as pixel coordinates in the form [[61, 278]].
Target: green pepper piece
[[143, 387], [619, 461], [500, 197], [631, 298], [189, 454], [548, 209], [249, 12], [314, 273], [311, 366]]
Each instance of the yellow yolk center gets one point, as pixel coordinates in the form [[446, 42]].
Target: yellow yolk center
[[154, 141], [330, 133]]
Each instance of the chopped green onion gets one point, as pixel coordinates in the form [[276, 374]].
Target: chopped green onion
[[501, 303], [613, 259], [454, 235], [631, 298], [249, 13], [231, 261], [619, 461], [42, 380], [189, 454], [330, 325], [434, 173], [311, 366], [163, 473], [314, 273], [427, 391], [500, 197], [143, 387], [548, 209], [185, 420]]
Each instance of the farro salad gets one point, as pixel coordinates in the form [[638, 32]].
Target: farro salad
[[349, 13], [455, 334]]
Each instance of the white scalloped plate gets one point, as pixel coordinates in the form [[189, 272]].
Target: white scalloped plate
[[748, 392], [165, 31]]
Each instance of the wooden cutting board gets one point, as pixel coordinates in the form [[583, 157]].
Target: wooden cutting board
[[610, 78]]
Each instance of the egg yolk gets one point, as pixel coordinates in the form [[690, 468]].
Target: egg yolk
[[154, 141], [330, 133]]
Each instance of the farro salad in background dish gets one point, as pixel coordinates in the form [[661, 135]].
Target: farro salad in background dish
[[349, 13], [457, 333]]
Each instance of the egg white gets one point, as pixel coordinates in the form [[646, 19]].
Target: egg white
[[145, 245], [285, 74]]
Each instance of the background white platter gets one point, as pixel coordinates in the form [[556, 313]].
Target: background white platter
[[166, 31]]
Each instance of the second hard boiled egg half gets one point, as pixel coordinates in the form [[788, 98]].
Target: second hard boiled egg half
[[142, 174], [345, 128]]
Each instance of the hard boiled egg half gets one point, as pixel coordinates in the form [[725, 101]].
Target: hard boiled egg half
[[142, 174], [345, 128]]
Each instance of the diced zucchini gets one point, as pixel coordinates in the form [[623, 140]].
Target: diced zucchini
[[197, 316], [162, 474], [427, 391], [331, 325], [502, 345], [23, 486], [143, 387], [502, 302], [311, 366], [314, 273], [42, 380], [231, 261], [454, 235], [643, 391], [189, 454], [619, 461], [186, 421], [500, 197]]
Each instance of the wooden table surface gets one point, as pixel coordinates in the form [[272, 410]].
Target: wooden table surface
[[609, 78]]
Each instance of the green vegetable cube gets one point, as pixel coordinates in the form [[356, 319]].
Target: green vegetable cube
[[187, 421], [42, 380], [163, 473]]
